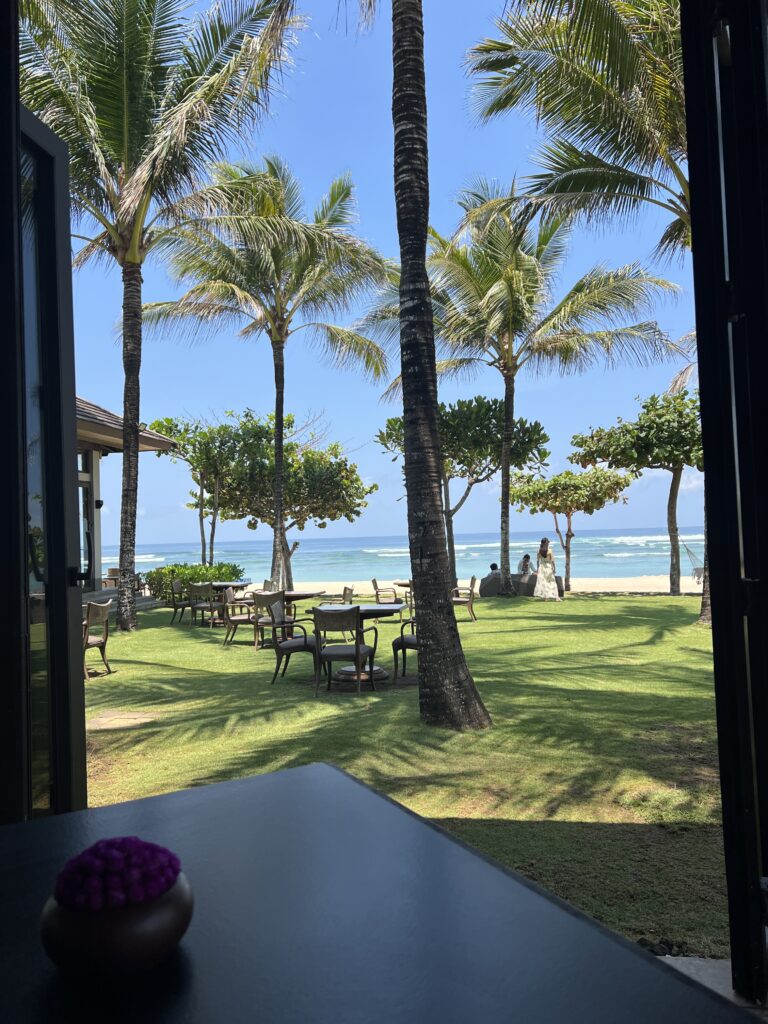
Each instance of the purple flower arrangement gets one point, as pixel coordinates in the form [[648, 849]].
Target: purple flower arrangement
[[120, 872]]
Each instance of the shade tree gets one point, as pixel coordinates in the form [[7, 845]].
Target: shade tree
[[567, 494], [471, 432], [320, 484], [208, 450], [666, 435]]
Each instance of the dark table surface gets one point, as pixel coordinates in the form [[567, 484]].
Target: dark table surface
[[320, 902], [367, 611]]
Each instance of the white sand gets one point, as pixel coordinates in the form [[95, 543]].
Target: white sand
[[602, 585]]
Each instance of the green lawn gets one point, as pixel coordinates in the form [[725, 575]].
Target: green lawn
[[599, 778]]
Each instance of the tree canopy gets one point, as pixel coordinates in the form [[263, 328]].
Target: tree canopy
[[567, 494], [321, 484], [665, 435], [605, 79]]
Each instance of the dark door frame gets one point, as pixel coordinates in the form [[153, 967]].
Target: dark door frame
[[725, 61], [68, 761], [67, 711], [13, 734]]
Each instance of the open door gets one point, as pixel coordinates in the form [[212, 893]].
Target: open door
[[725, 53], [42, 726]]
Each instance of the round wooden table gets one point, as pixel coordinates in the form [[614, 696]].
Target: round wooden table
[[348, 673]]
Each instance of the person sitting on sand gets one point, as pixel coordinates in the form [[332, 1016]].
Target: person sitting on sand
[[524, 566], [495, 570]]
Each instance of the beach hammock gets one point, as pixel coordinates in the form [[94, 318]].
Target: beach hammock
[[697, 567]]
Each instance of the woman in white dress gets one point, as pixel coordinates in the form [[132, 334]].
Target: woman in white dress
[[546, 584]]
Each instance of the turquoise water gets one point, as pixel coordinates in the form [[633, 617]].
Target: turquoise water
[[596, 553]]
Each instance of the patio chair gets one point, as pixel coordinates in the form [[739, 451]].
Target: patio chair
[[112, 578], [235, 613], [343, 620], [407, 641], [261, 616], [202, 599], [96, 615], [269, 586], [286, 643], [387, 595], [466, 596], [178, 602]]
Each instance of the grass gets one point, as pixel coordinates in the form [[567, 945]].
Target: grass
[[599, 779]]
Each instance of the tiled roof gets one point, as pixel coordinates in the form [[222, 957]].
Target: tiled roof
[[101, 429]]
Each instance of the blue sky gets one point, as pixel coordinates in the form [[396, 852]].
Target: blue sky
[[333, 115]]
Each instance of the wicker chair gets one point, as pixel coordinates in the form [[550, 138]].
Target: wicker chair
[[466, 596], [201, 599], [261, 616], [387, 595], [284, 636], [407, 641], [178, 602], [235, 612], [342, 620], [96, 615]]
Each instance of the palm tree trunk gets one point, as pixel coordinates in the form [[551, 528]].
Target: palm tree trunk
[[201, 520], [288, 551], [214, 518], [126, 593], [447, 693], [505, 587], [448, 514], [674, 533], [278, 536]]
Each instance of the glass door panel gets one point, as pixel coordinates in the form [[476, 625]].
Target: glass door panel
[[39, 693]]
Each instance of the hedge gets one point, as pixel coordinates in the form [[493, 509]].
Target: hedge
[[159, 580]]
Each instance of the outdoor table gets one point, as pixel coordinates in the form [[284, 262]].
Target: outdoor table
[[395, 923], [224, 584], [367, 611]]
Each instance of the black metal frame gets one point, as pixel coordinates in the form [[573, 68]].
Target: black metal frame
[[13, 747], [67, 692], [725, 60], [63, 593]]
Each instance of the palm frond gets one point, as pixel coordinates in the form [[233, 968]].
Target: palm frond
[[347, 348]]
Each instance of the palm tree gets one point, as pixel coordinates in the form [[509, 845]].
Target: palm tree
[[145, 99], [447, 693], [311, 267], [605, 78], [494, 290]]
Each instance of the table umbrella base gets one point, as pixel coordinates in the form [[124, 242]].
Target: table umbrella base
[[348, 673]]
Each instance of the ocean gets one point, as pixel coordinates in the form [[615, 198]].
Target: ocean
[[595, 553]]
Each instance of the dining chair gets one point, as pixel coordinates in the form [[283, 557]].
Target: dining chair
[[201, 599], [406, 641], [343, 620], [289, 637], [96, 615], [465, 596], [235, 612], [178, 602]]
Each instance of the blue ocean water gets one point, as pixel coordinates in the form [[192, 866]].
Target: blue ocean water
[[595, 553]]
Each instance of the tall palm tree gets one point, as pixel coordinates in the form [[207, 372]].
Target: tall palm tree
[[495, 290], [311, 267], [605, 79], [145, 99], [447, 693]]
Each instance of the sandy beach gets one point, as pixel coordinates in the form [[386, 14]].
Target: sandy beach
[[585, 585]]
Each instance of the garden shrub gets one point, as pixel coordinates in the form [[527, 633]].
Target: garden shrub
[[159, 580]]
